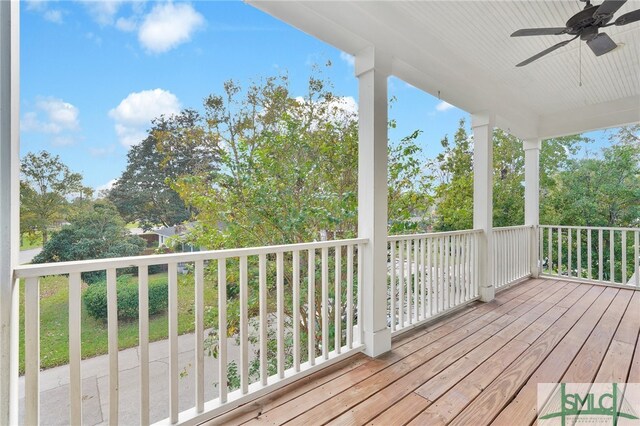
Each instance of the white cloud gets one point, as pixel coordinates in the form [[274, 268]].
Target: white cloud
[[107, 186], [127, 24], [103, 11], [168, 25], [134, 114], [444, 106], [59, 116], [349, 59], [102, 151], [53, 15]]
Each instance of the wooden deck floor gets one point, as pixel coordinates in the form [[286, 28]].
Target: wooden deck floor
[[478, 366]]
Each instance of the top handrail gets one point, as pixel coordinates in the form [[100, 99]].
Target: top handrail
[[604, 228], [43, 269], [506, 228], [432, 234]]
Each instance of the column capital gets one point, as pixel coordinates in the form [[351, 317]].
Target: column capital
[[535, 143], [371, 59], [483, 118]]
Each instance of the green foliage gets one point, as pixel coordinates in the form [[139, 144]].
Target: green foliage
[[453, 168], [601, 190], [143, 193], [95, 297], [96, 233], [45, 187]]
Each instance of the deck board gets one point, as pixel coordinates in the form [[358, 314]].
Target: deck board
[[476, 366]]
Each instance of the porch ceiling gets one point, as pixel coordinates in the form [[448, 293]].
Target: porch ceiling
[[463, 50]]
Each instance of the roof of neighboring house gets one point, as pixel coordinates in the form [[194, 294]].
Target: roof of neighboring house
[[173, 230]]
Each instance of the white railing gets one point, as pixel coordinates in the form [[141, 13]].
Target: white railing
[[602, 255], [512, 254], [430, 274], [330, 304]]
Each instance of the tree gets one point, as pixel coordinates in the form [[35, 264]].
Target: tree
[[288, 174], [453, 168], [599, 190], [46, 186], [142, 192], [95, 233]]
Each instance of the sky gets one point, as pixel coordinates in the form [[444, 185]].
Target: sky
[[94, 74]]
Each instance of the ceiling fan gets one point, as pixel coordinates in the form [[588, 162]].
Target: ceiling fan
[[585, 24]]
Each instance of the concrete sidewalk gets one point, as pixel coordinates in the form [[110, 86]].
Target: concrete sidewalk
[[54, 384]]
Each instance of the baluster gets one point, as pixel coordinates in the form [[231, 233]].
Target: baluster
[[559, 251], [112, 333], [423, 275], [143, 337], [338, 300], [409, 269], [350, 296], [394, 264], [296, 310], [32, 350], [199, 334], [416, 311], [360, 325], [311, 310], [222, 329], [447, 272], [569, 250], [173, 342], [600, 255], [280, 312], [612, 265], [636, 258], [401, 284], [75, 349], [325, 302], [624, 256], [579, 255], [550, 251], [244, 327], [264, 322], [430, 298], [589, 255]]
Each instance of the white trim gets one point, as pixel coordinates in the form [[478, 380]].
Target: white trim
[[38, 270], [592, 282], [438, 316], [9, 206]]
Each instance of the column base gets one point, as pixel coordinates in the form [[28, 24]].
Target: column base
[[377, 343], [487, 294]]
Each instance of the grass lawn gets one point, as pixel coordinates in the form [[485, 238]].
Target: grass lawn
[[31, 241], [54, 321]]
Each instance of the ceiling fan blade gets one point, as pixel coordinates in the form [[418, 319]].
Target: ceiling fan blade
[[539, 31], [628, 18], [544, 52], [607, 9], [601, 44]]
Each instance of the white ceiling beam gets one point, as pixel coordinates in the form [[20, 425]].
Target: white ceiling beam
[[616, 113]]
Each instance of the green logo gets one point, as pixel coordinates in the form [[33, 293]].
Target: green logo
[[599, 403]]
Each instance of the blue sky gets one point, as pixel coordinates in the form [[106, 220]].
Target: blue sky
[[94, 73]]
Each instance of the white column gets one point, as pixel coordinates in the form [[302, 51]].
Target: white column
[[483, 124], [372, 73], [532, 196], [9, 207]]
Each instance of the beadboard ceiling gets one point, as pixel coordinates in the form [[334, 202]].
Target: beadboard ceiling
[[463, 51]]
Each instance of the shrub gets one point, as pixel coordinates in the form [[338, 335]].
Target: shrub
[[95, 297]]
